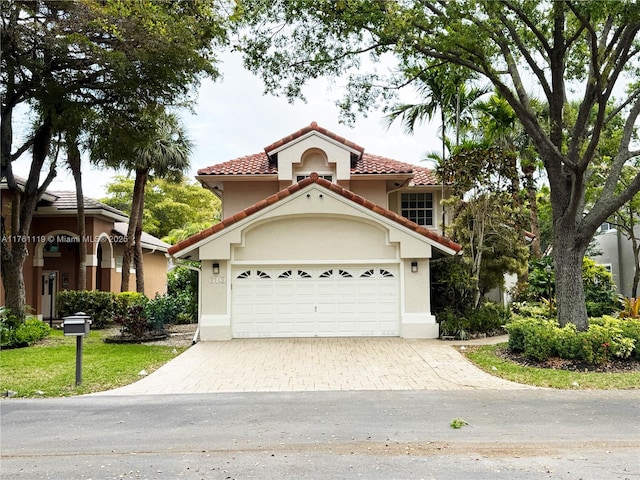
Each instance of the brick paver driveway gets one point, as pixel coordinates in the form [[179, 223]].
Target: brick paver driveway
[[316, 364]]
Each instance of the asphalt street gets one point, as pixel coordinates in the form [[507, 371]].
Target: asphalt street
[[533, 434]]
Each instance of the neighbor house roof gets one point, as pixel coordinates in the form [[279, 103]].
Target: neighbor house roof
[[68, 201], [147, 241], [313, 178]]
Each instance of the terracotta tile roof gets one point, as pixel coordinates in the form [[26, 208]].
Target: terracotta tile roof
[[423, 176], [256, 164], [300, 185], [313, 127], [367, 164]]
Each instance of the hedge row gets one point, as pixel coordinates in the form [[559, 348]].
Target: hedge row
[[607, 338], [128, 309], [102, 307]]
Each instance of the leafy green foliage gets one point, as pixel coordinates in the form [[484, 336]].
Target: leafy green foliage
[[606, 338], [451, 285], [166, 309], [488, 318], [17, 333], [100, 306], [600, 292], [168, 206], [183, 282], [458, 423], [289, 43], [134, 322]]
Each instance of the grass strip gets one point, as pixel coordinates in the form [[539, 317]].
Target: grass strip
[[487, 359], [48, 369]]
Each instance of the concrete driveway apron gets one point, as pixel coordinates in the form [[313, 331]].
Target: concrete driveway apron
[[318, 364]]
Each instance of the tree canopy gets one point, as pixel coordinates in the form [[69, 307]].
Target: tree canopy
[[552, 49], [62, 58], [168, 205]]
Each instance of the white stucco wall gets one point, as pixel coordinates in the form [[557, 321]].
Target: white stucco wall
[[319, 226]]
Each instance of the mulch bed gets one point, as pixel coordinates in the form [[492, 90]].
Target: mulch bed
[[128, 339], [555, 363]]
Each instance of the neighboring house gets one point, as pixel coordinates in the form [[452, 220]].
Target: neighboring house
[[319, 239], [53, 261], [617, 256]]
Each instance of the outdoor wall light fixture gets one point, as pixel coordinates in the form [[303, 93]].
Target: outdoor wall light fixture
[[414, 266], [216, 268]]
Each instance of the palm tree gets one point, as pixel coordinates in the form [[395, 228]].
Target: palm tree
[[443, 89], [160, 149], [165, 154], [499, 125]]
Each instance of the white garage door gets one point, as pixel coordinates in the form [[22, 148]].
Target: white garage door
[[315, 301]]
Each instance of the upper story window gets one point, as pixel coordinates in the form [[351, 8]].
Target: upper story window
[[606, 227], [326, 177], [418, 207]]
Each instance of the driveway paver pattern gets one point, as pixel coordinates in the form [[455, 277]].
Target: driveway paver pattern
[[317, 364]]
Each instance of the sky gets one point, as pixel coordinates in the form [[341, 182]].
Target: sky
[[233, 118]]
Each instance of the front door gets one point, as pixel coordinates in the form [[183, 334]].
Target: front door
[[49, 290]]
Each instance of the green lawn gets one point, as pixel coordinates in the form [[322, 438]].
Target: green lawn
[[50, 366], [485, 357]]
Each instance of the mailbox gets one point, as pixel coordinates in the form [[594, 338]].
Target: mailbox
[[76, 325]]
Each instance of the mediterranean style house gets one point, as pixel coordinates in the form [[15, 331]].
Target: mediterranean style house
[[319, 239], [53, 261]]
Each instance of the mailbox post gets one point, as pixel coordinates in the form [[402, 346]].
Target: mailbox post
[[77, 326]]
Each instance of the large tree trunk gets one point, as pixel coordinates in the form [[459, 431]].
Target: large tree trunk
[[568, 254], [13, 246], [73, 159], [13, 255], [138, 251], [138, 197]]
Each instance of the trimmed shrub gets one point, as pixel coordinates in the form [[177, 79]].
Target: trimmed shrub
[[14, 333], [100, 306], [539, 341], [568, 343], [124, 300], [517, 329], [631, 329], [530, 310], [607, 338]]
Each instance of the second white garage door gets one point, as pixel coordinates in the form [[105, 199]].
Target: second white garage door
[[318, 301]]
